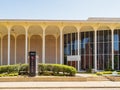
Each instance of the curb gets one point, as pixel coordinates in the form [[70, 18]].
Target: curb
[[58, 87]]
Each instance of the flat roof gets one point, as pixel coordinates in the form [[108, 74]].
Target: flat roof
[[91, 19]]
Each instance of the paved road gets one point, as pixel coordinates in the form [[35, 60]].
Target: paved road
[[103, 85]]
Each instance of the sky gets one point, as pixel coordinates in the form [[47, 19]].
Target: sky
[[59, 9]]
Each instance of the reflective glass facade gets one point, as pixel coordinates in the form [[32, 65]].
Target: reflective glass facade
[[87, 50], [104, 52], [117, 49], [70, 47]]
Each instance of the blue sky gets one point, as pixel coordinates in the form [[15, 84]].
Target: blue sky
[[58, 9]]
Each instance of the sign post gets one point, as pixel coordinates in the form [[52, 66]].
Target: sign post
[[32, 63]]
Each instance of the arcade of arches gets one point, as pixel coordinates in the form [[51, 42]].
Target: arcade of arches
[[97, 45]]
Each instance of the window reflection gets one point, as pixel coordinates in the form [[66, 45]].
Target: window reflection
[[87, 49], [117, 49], [70, 45], [104, 49]]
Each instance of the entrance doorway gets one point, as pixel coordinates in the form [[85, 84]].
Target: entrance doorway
[[73, 61], [73, 64]]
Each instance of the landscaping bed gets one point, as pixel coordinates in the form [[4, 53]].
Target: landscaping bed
[[113, 78], [42, 79]]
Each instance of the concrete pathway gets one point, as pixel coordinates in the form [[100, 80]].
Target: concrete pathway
[[92, 85], [86, 75]]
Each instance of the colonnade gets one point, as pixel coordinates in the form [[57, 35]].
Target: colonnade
[[60, 32]]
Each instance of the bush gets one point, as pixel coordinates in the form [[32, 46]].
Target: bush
[[23, 69], [105, 72], [56, 69], [8, 68], [18, 68], [43, 69]]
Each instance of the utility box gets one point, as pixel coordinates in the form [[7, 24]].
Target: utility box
[[32, 63]]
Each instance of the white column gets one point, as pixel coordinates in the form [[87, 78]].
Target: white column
[[1, 52], [56, 49], [95, 42], [8, 46], [113, 49], [29, 42], [78, 51], [43, 49], [15, 49], [26, 46], [61, 49]]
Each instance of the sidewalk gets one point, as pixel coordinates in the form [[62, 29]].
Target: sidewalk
[[44, 85], [86, 75]]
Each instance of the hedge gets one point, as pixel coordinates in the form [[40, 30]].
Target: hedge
[[8, 68], [56, 69], [105, 72], [43, 69]]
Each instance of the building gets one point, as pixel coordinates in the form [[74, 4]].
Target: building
[[92, 43]]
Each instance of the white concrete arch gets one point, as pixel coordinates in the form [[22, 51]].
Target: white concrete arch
[[35, 40], [3, 32], [69, 29], [86, 28], [117, 27], [52, 33], [103, 27], [35, 30], [20, 49], [35, 43], [52, 30], [5, 50], [50, 49], [17, 30], [5, 53]]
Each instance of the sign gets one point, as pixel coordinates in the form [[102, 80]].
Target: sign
[[73, 58], [32, 63]]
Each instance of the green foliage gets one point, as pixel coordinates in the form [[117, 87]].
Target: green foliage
[[18, 68], [56, 69], [105, 72], [10, 74], [43, 69], [23, 69], [8, 68]]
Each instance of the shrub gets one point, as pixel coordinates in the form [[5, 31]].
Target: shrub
[[105, 72], [56, 69], [8, 68], [43, 69], [12, 68], [3, 69], [23, 69]]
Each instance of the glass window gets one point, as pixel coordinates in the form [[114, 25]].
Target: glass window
[[100, 36], [103, 49], [69, 38], [87, 48], [91, 36]]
